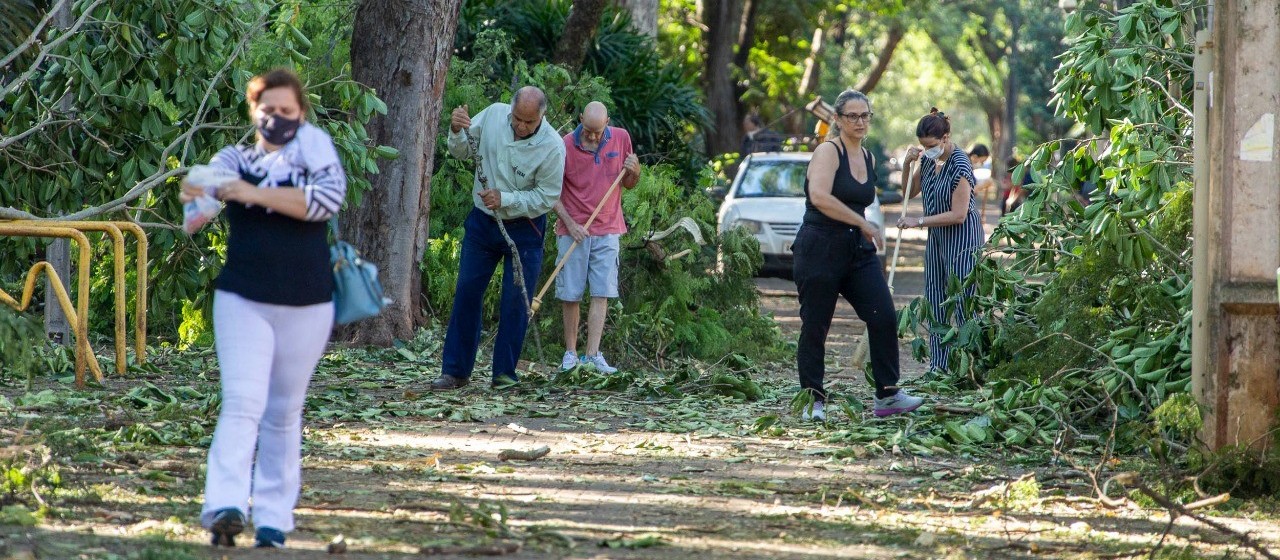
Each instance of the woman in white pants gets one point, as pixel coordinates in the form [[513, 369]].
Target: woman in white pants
[[272, 309]]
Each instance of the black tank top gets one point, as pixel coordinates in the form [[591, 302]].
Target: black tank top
[[856, 195]]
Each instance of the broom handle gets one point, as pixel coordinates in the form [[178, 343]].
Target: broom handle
[[537, 300], [897, 243]]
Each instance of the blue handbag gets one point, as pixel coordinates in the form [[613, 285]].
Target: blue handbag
[[357, 293]]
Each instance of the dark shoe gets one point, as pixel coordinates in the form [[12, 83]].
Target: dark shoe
[[449, 383], [227, 523], [267, 537]]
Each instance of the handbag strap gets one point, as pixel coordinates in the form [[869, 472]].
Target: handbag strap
[[333, 227]]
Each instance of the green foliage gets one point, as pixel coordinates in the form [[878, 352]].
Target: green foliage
[[1081, 315], [26, 472], [1245, 473], [702, 305], [150, 88], [20, 335], [654, 99]]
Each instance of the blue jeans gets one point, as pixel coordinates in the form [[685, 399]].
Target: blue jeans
[[482, 248]]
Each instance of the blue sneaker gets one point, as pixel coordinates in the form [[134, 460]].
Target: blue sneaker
[[227, 523], [267, 537]]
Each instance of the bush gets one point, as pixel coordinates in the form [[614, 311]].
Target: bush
[[20, 336]]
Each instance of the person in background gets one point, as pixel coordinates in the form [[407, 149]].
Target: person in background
[[950, 212], [595, 153], [272, 309], [1015, 188], [523, 159], [757, 138], [980, 157], [835, 255]]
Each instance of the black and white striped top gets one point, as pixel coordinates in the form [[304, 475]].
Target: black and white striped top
[[938, 183], [309, 160], [273, 258]]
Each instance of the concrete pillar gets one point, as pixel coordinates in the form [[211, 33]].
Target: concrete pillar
[[1236, 340]]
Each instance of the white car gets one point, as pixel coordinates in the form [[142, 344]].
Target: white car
[[767, 198]]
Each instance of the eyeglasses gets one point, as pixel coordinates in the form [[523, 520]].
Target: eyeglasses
[[856, 117]]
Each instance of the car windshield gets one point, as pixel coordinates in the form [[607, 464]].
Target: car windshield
[[773, 179]]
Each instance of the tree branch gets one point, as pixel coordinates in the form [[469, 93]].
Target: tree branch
[[48, 121], [213, 83], [1176, 104], [896, 33], [47, 48], [1176, 510], [35, 34]]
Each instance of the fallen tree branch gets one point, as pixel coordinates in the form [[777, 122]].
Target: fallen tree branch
[[1177, 510], [501, 549], [531, 455], [956, 409]]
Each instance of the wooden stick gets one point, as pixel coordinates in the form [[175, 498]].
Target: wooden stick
[[537, 300], [902, 212]]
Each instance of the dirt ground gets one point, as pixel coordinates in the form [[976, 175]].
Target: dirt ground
[[401, 473]]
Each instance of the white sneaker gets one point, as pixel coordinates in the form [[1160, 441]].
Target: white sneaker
[[899, 403], [814, 413], [598, 362], [569, 361]]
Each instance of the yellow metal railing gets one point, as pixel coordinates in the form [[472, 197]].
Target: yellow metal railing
[[74, 230]]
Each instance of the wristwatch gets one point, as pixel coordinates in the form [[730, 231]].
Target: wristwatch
[[920, 221]]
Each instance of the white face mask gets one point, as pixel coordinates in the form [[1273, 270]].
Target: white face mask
[[933, 153]]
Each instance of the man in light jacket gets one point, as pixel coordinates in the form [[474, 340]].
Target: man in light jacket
[[522, 159]]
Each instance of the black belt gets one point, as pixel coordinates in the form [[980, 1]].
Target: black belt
[[519, 221]]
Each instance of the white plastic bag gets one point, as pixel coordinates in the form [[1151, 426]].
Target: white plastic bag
[[200, 210]]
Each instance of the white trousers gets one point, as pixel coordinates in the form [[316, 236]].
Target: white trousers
[[266, 354]]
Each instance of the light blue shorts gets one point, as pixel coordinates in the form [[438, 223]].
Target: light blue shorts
[[595, 261]]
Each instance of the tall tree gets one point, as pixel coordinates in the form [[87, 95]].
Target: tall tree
[[644, 15], [401, 48], [896, 32], [980, 48], [722, 28], [579, 31]]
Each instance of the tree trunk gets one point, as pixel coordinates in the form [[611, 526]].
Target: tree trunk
[[644, 15], [401, 49], [746, 32], [579, 31], [58, 251], [722, 24], [1009, 111], [882, 62]]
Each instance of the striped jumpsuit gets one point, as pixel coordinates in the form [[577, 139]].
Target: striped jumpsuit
[[951, 250]]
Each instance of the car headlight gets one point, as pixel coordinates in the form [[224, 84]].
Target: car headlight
[[751, 226]]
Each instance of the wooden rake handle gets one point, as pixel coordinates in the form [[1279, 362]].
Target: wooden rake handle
[[897, 243], [537, 300]]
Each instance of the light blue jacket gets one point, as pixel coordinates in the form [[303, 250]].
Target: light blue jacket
[[528, 172]]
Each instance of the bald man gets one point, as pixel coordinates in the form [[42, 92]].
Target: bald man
[[523, 159], [595, 154]]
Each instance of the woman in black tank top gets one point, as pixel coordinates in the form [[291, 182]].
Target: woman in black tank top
[[835, 255]]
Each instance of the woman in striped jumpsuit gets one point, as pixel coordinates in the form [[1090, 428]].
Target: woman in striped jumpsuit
[[950, 213]]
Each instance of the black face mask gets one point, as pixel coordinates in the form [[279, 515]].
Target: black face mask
[[278, 130]]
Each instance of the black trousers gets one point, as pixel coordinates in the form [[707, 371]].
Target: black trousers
[[832, 262]]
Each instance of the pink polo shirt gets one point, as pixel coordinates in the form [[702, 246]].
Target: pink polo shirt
[[587, 176]]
